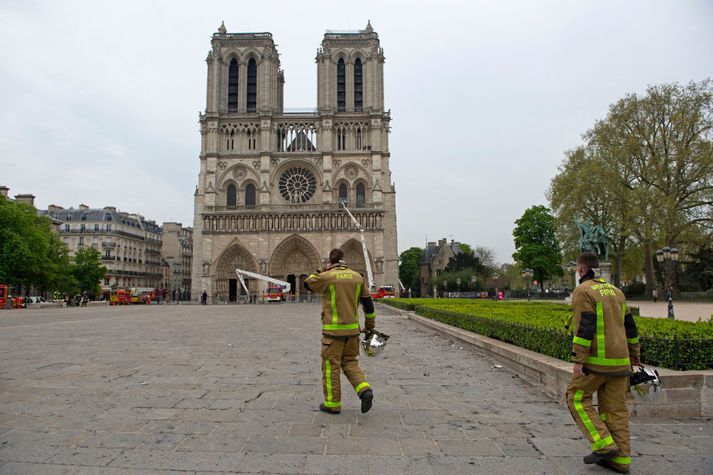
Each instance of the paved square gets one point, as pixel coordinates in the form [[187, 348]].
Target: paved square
[[236, 389]]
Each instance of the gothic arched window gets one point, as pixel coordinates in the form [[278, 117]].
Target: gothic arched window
[[360, 195], [341, 86], [231, 201], [358, 86], [233, 86], [250, 195], [251, 102], [343, 192]]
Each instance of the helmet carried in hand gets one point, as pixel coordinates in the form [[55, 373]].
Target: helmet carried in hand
[[645, 384], [374, 343]]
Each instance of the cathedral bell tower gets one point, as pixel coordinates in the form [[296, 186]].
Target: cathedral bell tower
[[271, 182]]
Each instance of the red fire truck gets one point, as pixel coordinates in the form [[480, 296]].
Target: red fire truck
[[275, 294], [384, 292]]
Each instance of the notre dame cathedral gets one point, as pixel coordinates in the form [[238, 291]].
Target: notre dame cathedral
[[271, 182]]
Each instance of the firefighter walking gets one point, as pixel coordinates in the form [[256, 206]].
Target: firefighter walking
[[604, 347], [342, 289]]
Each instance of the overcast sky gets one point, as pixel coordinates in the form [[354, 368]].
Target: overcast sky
[[99, 100]]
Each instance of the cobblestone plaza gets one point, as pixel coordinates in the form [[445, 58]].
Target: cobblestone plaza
[[235, 388]]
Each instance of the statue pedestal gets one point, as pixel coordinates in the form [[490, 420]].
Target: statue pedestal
[[605, 267]]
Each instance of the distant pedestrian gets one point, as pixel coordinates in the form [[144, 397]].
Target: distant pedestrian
[[655, 295], [204, 298]]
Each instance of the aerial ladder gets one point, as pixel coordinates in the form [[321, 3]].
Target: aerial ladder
[[242, 272], [369, 275]]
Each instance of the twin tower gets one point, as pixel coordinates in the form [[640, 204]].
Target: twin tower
[[271, 182]]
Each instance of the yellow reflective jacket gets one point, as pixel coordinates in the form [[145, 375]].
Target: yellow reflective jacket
[[605, 334], [342, 288]]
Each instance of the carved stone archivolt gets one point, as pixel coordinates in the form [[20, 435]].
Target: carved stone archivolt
[[295, 255], [235, 257]]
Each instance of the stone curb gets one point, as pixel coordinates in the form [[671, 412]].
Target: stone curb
[[685, 393]]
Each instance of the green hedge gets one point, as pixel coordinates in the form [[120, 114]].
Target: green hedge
[[538, 326]]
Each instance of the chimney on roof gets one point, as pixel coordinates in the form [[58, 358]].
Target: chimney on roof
[[52, 208], [26, 199], [3, 190], [83, 206]]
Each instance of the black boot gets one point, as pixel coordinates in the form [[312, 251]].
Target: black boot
[[596, 457], [367, 397], [330, 410]]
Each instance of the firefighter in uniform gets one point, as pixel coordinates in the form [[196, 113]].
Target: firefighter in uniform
[[342, 289], [604, 348]]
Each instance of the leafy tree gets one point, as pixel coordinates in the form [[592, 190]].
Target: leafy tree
[[465, 247], [465, 261], [410, 269], [88, 270], [645, 173], [536, 244], [698, 275], [586, 189], [31, 254]]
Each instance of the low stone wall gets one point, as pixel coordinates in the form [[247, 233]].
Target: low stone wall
[[99, 303], [685, 393]]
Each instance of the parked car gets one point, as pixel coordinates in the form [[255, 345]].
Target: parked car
[[37, 299]]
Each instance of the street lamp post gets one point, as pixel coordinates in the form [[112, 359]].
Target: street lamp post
[[458, 284], [668, 260], [527, 275], [445, 285], [572, 268], [472, 282]]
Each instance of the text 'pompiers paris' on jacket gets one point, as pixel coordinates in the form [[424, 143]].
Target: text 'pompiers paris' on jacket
[[605, 334], [342, 288]]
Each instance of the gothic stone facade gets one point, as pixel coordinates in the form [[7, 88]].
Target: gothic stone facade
[[271, 181]]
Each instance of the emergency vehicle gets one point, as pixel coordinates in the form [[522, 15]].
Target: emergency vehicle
[[120, 297], [3, 295], [384, 292], [275, 294]]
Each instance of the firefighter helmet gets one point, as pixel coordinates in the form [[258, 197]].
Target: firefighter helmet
[[374, 342], [645, 384]]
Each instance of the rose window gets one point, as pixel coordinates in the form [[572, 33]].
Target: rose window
[[297, 185]]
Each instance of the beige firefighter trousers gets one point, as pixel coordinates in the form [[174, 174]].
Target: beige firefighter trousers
[[608, 428], [340, 354]]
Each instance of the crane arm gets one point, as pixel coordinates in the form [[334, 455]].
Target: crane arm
[[242, 272], [369, 275]]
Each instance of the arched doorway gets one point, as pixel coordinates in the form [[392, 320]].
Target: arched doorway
[[293, 260], [227, 287]]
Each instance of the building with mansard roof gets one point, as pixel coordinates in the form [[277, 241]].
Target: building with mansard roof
[[129, 244], [271, 181]]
